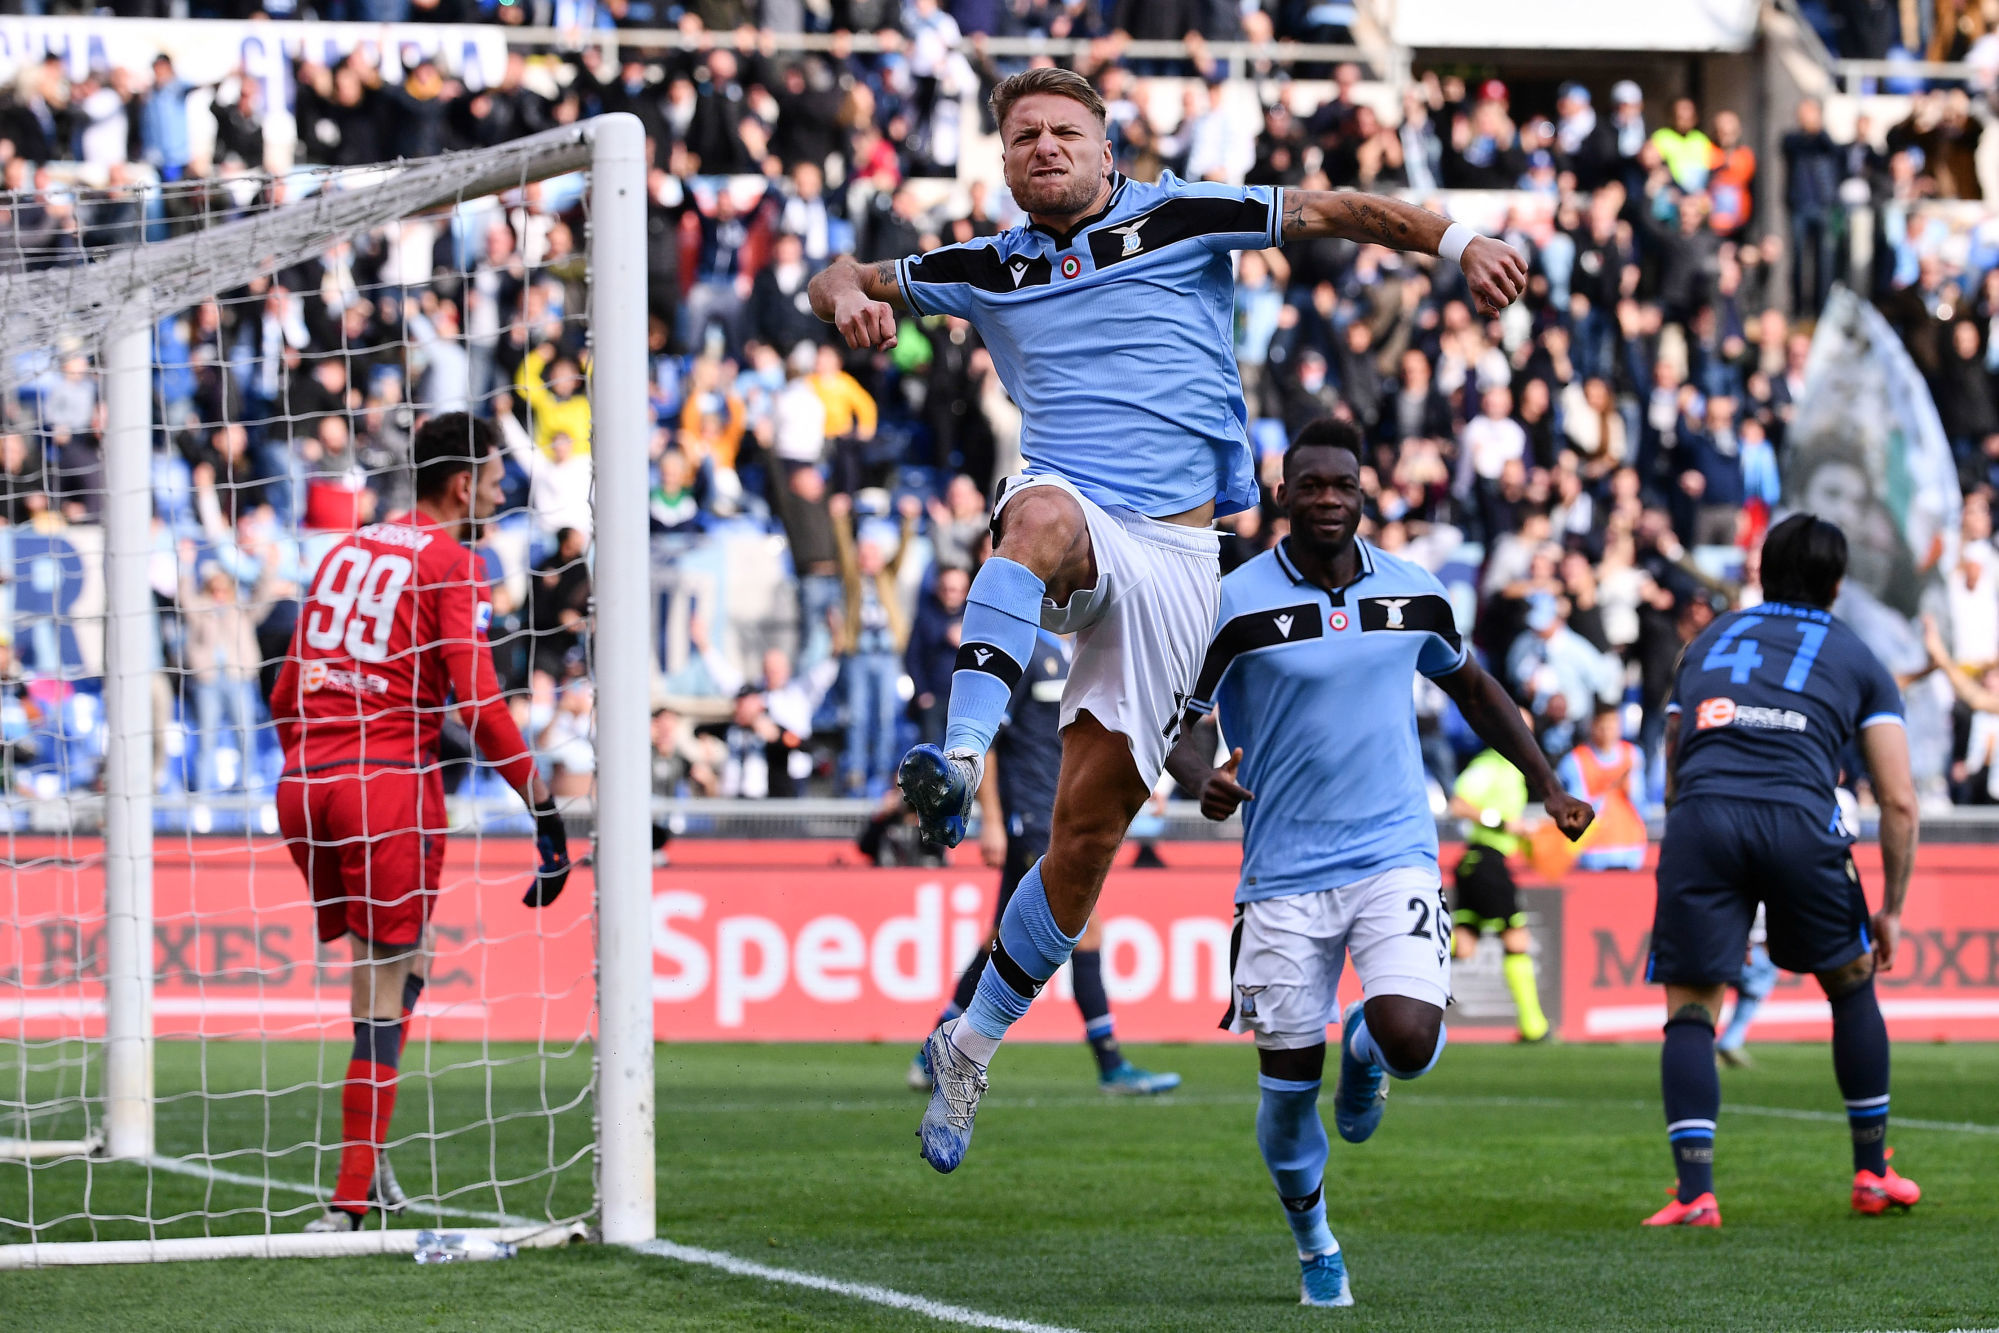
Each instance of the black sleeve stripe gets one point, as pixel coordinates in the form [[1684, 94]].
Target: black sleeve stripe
[[984, 657], [903, 281], [1276, 215], [1427, 613], [980, 266], [1248, 632], [1179, 219]]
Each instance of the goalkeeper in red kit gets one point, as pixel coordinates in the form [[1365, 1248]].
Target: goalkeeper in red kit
[[392, 635]]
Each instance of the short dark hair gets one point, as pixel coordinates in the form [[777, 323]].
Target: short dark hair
[[1804, 558], [448, 445], [1326, 433], [1045, 79]]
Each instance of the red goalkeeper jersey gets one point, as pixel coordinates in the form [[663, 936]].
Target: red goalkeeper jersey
[[393, 633]]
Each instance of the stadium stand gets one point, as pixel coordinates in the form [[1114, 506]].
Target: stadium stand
[[1589, 474]]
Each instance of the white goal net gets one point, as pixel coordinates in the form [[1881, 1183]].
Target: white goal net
[[203, 389]]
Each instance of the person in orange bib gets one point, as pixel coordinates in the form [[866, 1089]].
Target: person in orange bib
[[1609, 773]]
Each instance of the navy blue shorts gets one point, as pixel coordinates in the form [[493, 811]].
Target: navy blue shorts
[[1720, 858]]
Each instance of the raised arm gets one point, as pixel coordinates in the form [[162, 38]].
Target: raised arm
[[1496, 718], [1493, 270], [861, 300]]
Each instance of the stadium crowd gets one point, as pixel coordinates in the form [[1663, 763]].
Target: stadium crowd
[[1589, 473]]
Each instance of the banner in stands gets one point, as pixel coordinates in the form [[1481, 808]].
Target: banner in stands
[[1867, 451], [800, 941]]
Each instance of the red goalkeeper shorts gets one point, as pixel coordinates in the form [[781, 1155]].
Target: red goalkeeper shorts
[[370, 844]]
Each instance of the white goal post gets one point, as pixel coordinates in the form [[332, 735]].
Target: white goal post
[[111, 305]]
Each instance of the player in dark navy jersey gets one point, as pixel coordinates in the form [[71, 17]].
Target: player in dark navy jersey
[[1016, 811], [1767, 700]]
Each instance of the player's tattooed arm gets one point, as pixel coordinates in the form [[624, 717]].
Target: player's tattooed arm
[[861, 299], [1370, 218], [1494, 272]]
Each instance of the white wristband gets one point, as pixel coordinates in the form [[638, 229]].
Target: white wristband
[[1456, 237]]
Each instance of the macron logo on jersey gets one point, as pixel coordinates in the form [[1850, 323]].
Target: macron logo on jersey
[[982, 655], [1284, 623], [1019, 270]]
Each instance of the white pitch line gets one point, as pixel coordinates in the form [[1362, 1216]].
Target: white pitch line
[[204, 1171], [860, 1291], [664, 1249], [1169, 1100]]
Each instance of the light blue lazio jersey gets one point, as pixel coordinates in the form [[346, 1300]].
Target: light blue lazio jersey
[[1117, 339], [1318, 690]]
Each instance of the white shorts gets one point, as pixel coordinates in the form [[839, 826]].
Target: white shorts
[[1289, 953], [1142, 631]]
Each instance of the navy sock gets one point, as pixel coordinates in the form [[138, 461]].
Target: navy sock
[[1293, 1141], [1002, 617], [968, 985], [1086, 971], [1860, 1063], [379, 1042], [1693, 1099]]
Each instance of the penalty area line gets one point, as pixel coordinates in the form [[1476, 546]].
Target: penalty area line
[[942, 1311]]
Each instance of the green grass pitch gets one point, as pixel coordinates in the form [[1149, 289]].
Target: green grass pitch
[[1504, 1191]]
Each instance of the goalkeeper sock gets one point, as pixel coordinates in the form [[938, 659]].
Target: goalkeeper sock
[[1293, 1141], [1519, 969], [1029, 950], [1002, 616], [412, 991], [367, 1100]]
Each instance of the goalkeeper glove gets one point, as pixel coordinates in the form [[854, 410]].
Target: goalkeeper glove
[[552, 841]]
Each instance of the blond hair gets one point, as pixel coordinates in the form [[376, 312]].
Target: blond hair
[[1061, 82]]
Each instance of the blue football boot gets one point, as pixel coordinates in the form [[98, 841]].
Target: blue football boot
[[1323, 1280], [940, 787], [946, 1131], [1363, 1092], [1128, 1080]]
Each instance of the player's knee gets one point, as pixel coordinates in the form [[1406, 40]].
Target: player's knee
[[1293, 1064], [1406, 1034], [1040, 528], [1845, 980]]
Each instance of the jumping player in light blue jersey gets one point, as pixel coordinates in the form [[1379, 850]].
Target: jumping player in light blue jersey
[[1108, 319], [1311, 676]]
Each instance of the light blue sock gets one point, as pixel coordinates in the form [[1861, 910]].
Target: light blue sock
[[1759, 977], [1363, 1048], [1293, 1141], [1002, 616], [1030, 949]]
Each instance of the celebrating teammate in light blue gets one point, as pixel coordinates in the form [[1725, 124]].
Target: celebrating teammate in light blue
[[1109, 320], [1312, 676]]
